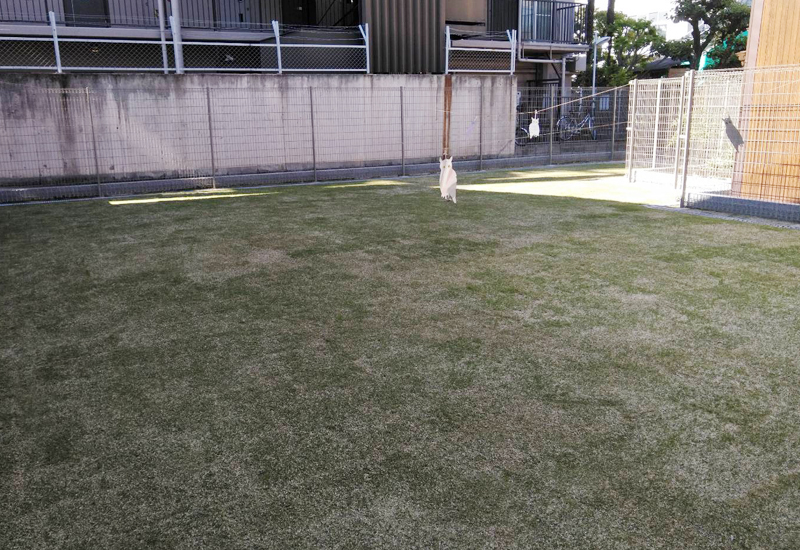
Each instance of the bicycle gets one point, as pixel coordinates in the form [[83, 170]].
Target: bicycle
[[568, 127]]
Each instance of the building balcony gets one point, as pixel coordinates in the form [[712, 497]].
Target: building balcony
[[553, 22], [217, 35]]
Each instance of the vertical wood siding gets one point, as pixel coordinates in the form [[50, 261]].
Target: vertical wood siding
[[771, 164]]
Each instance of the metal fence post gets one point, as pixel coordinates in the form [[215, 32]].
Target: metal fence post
[[614, 124], [630, 129], [366, 40], [512, 38], [94, 143], [313, 138], [686, 138], [480, 132], [56, 50], [276, 29], [364, 29], [658, 116], [177, 43], [211, 140], [552, 119], [678, 131], [447, 49], [163, 34], [402, 132]]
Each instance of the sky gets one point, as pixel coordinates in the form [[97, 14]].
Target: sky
[[637, 7]]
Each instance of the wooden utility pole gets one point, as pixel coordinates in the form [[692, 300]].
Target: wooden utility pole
[[448, 103]]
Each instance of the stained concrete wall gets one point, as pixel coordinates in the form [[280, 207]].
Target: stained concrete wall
[[161, 126]]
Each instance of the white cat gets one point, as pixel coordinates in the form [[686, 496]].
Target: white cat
[[447, 179]]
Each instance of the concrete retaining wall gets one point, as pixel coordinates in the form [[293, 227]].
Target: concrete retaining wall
[[145, 126]]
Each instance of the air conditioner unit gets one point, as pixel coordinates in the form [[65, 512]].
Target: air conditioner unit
[[576, 63]]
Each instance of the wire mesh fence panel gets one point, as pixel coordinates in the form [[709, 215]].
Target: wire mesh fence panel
[[479, 61], [717, 96], [327, 49], [658, 126], [340, 58], [27, 54], [232, 56], [161, 136], [357, 128], [139, 139], [423, 124], [732, 141], [57, 150], [465, 124], [274, 49], [470, 51], [572, 124], [767, 166], [82, 55]]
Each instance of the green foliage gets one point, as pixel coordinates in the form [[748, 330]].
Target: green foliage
[[680, 50], [631, 48], [713, 22], [723, 55]]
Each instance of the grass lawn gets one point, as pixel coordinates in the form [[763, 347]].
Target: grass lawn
[[356, 366]]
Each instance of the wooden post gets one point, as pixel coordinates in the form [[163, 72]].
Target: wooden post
[[448, 102]]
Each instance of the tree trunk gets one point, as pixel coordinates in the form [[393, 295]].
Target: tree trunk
[[590, 29], [697, 46], [610, 16]]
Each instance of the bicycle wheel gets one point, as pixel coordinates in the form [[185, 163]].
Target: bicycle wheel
[[592, 129], [566, 128], [521, 138]]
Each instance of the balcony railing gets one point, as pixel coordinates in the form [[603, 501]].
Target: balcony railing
[[197, 14], [553, 21], [287, 48]]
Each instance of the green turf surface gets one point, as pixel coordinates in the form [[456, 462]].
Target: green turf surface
[[369, 367]]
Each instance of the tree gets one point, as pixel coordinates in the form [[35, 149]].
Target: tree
[[590, 27], [712, 22], [724, 55], [679, 50], [630, 48], [610, 16]]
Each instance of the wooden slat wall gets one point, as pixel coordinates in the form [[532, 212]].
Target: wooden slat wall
[[770, 167], [779, 40]]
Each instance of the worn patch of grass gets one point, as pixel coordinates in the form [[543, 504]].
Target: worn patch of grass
[[357, 366]]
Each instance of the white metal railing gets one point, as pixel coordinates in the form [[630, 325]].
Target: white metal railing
[[292, 49], [488, 52]]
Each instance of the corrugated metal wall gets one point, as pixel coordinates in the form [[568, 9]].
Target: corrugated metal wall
[[200, 13], [502, 15], [337, 12], [407, 36]]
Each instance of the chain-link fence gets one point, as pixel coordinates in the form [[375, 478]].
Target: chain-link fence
[[275, 49], [103, 141], [573, 124], [725, 140], [469, 51]]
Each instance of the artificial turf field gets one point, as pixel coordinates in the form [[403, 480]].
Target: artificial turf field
[[365, 366]]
